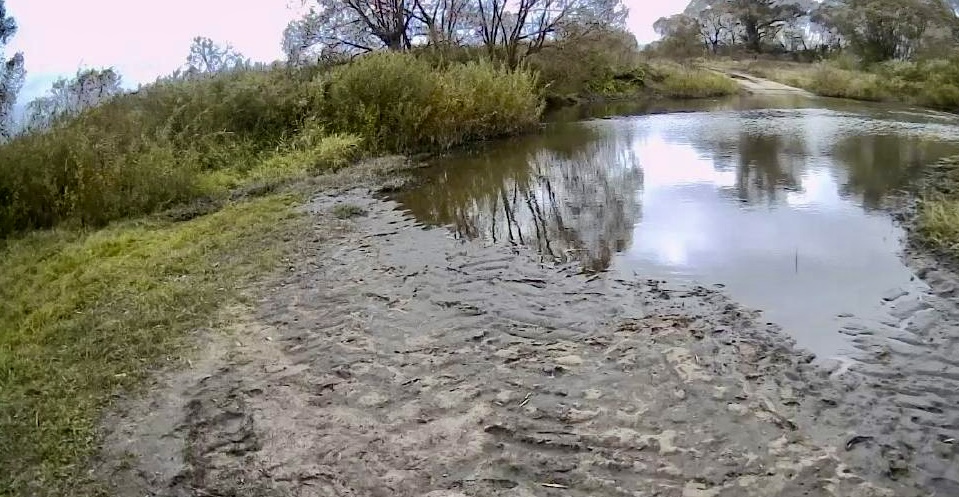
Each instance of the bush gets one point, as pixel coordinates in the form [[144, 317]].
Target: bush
[[148, 150], [602, 64], [177, 140], [930, 83], [831, 81], [398, 102], [89, 173]]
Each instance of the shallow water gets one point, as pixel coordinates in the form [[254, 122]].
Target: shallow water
[[778, 200]]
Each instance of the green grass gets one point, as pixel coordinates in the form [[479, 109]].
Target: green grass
[[938, 223], [87, 314], [676, 81], [928, 83], [937, 219]]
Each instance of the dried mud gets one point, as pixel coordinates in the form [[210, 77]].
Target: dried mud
[[392, 360]]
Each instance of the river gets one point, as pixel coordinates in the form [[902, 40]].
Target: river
[[779, 200]]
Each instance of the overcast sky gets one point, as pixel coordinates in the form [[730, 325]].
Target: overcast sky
[[146, 39]]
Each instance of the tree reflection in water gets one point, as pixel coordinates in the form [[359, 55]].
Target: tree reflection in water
[[569, 193], [574, 191]]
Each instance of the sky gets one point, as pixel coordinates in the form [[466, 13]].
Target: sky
[[147, 39]]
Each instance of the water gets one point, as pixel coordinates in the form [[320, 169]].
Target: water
[[778, 200]]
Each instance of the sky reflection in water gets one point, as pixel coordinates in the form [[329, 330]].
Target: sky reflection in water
[[779, 205]]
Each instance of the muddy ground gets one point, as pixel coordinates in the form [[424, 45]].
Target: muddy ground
[[392, 360]]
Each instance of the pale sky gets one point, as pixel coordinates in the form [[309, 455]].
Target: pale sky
[[147, 39]]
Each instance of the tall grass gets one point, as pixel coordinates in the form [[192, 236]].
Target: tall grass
[[677, 81], [178, 140], [401, 103], [938, 223], [937, 219]]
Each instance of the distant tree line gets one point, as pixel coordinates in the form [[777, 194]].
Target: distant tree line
[[508, 29], [68, 97], [875, 30], [337, 30]]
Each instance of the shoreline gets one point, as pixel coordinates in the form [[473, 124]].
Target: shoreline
[[375, 329], [472, 370]]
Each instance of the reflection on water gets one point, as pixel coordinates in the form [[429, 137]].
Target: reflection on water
[[779, 205], [570, 193]]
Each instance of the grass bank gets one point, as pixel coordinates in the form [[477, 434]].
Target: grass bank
[[932, 83], [87, 314]]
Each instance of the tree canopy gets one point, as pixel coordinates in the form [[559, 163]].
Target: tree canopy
[[11, 74], [512, 29], [875, 30]]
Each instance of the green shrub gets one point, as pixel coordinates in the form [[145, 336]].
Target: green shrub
[[88, 173], [599, 63], [400, 103], [830, 81]]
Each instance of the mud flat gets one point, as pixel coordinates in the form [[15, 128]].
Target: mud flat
[[388, 359]]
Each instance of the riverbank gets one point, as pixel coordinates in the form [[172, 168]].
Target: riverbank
[[135, 224], [388, 359], [372, 329], [931, 84]]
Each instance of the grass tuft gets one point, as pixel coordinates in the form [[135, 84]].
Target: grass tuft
[[347, 211], [938, 223]]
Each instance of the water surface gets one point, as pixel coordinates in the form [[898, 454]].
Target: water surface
[[779, 200]]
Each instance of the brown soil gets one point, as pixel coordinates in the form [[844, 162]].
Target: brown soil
[[392, 360]]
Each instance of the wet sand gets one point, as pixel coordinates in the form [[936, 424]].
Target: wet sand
[[388, 359]]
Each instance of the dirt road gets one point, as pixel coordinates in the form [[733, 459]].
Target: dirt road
[[392, 360], [760, 86]]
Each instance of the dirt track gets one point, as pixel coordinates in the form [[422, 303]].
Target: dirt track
[[393, 360], [756, 85]]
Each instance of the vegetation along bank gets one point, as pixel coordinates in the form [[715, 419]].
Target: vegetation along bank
[[879, 50], [132, 219]]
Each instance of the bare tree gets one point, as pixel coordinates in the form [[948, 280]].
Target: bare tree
[[513, 29], [713, 24], [350, 27], [12, 74], [521, 29], [445, 21], [90, 87], [762, 20], [208, 57]]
